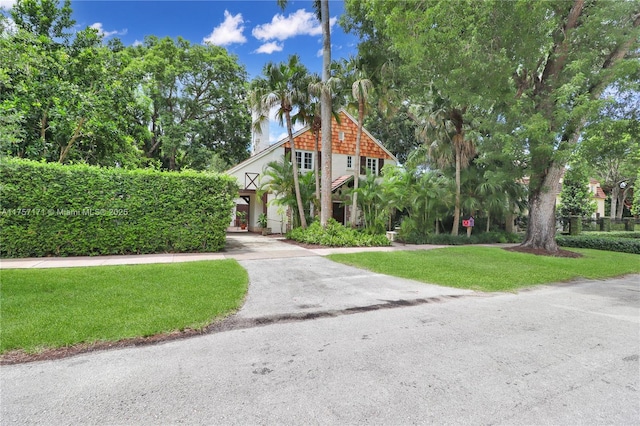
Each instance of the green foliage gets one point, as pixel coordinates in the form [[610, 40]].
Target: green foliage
[[263, 220], [372, 203], [50, 308], [51, 209], [621, 244], [196, 103], [336, 235], [635, 207], [491, 269], [479, 238], [67, 96], [575, 197], [277, 178], [610, 147], [285, 86], [533, 74]]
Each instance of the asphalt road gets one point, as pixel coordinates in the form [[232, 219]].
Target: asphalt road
[[564, 354]]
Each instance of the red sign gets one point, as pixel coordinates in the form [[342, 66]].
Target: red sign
[[468, 223]]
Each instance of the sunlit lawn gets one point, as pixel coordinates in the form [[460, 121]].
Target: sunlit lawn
[[49, 308], [491, 269]]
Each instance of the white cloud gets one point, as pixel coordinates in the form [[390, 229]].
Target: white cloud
[[281, 28], [7, 26], [276, 137], [229, 32], [105, 34], [137, 43], [7, 4], [268, 48]]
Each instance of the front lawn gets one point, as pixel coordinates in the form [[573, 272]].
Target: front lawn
[[491, 269], [51, 308]]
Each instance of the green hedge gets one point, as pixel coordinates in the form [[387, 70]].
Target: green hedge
[[462, 239], [336, 235], [48, 209], [624, 245]]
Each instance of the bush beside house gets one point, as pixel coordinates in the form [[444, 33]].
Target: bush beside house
[[47, 209]]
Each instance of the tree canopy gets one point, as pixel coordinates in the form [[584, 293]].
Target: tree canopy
[[70, 97], [530, 73]]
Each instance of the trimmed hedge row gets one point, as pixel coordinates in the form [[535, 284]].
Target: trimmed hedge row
[[456, 240], [336, 235], [47, 209], [623, 245]]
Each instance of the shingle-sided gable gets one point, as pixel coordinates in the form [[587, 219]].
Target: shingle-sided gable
[[369, 147]]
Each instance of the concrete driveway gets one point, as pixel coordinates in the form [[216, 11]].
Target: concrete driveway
[[322, 343]]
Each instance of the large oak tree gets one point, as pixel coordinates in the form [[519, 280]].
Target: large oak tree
[[537, 70]]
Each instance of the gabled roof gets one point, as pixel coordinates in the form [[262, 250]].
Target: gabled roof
[[303, 130]]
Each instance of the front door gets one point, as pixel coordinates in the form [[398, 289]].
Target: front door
[[338, 212]]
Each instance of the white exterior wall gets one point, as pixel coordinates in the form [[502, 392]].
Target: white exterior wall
[[258, 165], [339, 166]]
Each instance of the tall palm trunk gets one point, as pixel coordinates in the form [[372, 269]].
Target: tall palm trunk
[[356, 171], [294, 163], [326, 208], [457, 140], [317, 127]]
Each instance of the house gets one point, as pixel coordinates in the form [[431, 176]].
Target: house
[[343, 134]]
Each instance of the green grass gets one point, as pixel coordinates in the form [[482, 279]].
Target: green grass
[[50, 308], [491, 269]]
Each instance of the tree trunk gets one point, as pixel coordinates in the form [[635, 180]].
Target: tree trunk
[[76, 134], [326, 208], [541, 229], [456, 210], [316, 168], [172, 159], [615, 191], [43, 128], [621, 197], [356, 166], [294, 163]]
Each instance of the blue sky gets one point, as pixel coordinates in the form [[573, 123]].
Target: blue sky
[[256, 31]]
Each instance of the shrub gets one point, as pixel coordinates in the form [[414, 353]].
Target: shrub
[[614, 235], [456, 240], [624, 245], [49, 209], [336, 235]]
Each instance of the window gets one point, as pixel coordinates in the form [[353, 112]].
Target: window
[[372, 164], [308, 160], [341, 136], [349, 162]]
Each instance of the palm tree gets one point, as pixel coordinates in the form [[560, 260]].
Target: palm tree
[[311, 115], [442, 127], [322, 12], [360, 90], [284, 87], [326, 204], [277, 178]]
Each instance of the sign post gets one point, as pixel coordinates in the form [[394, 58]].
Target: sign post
[[468, 223]]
